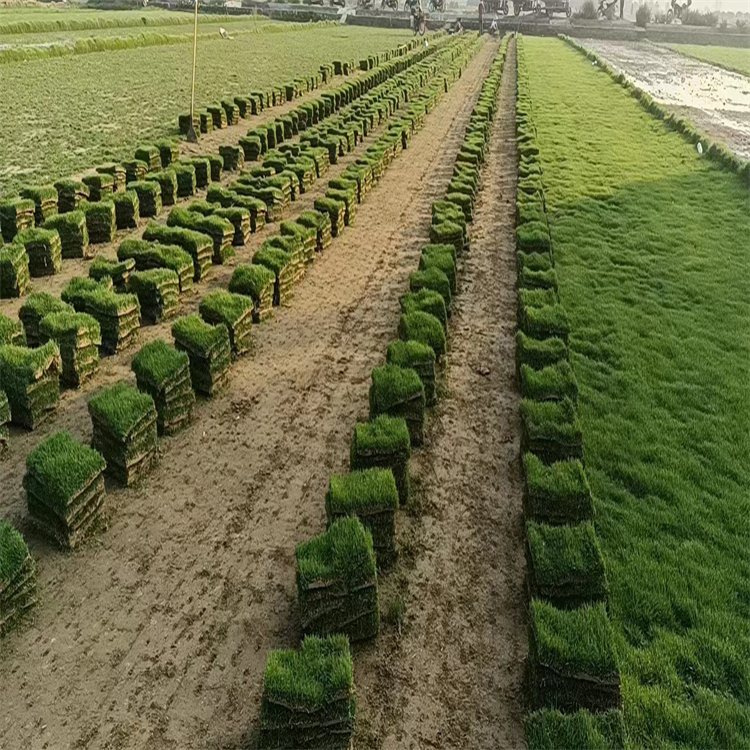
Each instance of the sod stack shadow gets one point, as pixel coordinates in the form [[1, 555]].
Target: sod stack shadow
[[337, 582], [64, 488], [209, 351], [308, 696], [163, 373], [125, 431], [78, 337], [17, 578]]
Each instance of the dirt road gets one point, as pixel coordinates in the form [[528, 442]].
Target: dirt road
[[454, 679], [717, 101], [155, 635]]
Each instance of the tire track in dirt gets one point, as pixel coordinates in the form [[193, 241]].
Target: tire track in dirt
[[454, 678], [155, 635]]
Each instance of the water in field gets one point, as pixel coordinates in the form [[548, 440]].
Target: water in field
[[717, 101]]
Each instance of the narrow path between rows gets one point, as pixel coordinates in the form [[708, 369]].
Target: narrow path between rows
[[155, 635], [454, 678]]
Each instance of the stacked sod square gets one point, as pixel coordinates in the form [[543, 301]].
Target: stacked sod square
[[219, 230], [100, 186], [158, 292], [372, 496], [124, 431], [44, 198], [118, 271], [35, 307], [257, 283], [17, 578], [209, 350], [163, 373], [11, 331], [31, 381], [280, 263], [16, 214], [127, 209], [14, 270], [197, 245], [70, 194], [574, 676], [308, 696], [64, 488], [78, 338], [235, 311], [43, 249], [337, 582], [146, 256], [101, 221], [73, 231]]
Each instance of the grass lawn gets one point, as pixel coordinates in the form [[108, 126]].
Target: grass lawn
[[650, 243], [731, 58]]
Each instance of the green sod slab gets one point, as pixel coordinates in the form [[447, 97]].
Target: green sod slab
[[127, 209], [15, 214], [551, 383], [256, 282], [399, 392], [419, 357], [550, 729], [70, 193], [198, 245], [427, 301], [149, 155], [135, 170], [77, 336], [73, 231], [44, 250], [443, 262], [45, 201], [101, 221], [117, 172], [17, 578], [424, 328], [219, 230], [11, 331], [336, 211], [209, 350], [558, 493], [35, 307], [202, 169], [169, 151], [118, 271], [167, 181], [158, 291], [551, 430], [235, 311], [572, 660], [448, 232], [539, 353], [149, 196]]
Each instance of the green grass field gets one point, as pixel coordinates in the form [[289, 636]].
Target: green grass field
[[650, 242], [60, 116], [731, 58]]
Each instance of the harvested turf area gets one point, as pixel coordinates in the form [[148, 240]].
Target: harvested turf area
[[650, 247]]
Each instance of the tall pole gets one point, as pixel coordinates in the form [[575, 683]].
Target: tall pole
[[192, 136]]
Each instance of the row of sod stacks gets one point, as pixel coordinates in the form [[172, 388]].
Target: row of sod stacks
[[11, 331], [158, 292], [235, 311], [45, 201], [14, 270], [257, 283], [196, 244], [73, 231], [16, 214], [64, 488], [574, 677], [146, 256], [118, 271], [118, 315], [34, 309], [4, 420], [125, 431], [372, 496], [78, 338], [337, 583], [17, 578], [163, 373], [308, 696], [31, 381], [44, 250], [219, 230], [209, 350]]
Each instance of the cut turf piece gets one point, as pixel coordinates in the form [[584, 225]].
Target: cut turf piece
[[31, 381], [432, 278], [18, 585], [11, 331], [558, 493], [202, 167], [101, 221], [127, 209], [240, 219], [149, 255], [118, 174], [149, 196], [425, 328], [196, 244], [443, 261], [219, 230], [550, 729], [14, 270], [15, 214], [158, 292], [235, 311], [572, 659], [233, 156], [34, 308], [533, 237], [150, 156], [163, 373], [70, 193], [74, 233], [125, 431], [45, 201], [419, 357], [100, 186], [280, 263], [306, 235], [337, 582], [336, 210], [398, 392], [167, 181], [349, 199], [118, 271], [44, 250], [308, 696], [552, 383], [428, 301], [217, 165], [169, 151], [539, 353], [209, 351], [551, 430], [566, 567], [257, 283], [530, 279], [448, 232], [383, 444], [64, 488], [372, 496], [78, 337], [540, 320], [187, 179]]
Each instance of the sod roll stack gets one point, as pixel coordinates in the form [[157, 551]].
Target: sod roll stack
[[399, 392], [78, 338], [158, 292], [101, 221], [257, 283], [209, 350], [235, 311], [45, 201], [44, 250], [14, 270], [17, 578], [34, 309], [16, 214], [73, 231], [125, 431], [308, 696], [64, 488], [163, 373], [117, 270]]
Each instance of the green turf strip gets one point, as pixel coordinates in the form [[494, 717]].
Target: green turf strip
[[650, 245], [120, 407], [157, 362], [13, 552], [549, 729]]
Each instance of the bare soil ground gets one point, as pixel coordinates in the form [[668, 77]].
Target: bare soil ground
[[155, 634], [717, 101]]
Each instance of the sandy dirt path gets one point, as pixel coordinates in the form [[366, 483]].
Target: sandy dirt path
[[454, 678], [155, 635], [717, 101]]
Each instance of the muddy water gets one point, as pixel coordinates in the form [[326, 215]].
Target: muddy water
[[715, 100]]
